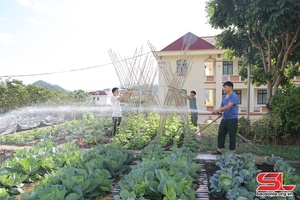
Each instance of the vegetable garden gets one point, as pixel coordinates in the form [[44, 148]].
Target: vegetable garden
[[80, 160]]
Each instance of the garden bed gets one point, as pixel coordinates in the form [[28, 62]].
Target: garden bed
[[211, 168], [234, 176]]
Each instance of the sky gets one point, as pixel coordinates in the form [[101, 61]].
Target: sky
[[42, 36]]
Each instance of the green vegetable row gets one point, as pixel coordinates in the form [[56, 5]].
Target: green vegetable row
[[138, 130], [86, 177], [236, 178], [30, 165], [161, 176], [91, 127], [66, 170]]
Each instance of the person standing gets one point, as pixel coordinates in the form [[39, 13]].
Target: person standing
[[193, 106], [116, 108], [229, 122]]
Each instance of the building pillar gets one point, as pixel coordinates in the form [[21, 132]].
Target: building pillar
[[253, 99], [219, 82]]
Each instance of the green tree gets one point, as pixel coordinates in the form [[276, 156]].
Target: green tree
[[13, 95], [271, 27], [37, 95], [286, 105], [79, 96]]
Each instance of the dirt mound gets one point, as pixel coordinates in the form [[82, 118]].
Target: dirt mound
[[5, 154]]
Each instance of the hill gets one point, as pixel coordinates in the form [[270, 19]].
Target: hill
[[49, 86]]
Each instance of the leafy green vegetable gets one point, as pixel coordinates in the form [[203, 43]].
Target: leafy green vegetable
[[4, 195], [162, 177], [89, 175], [125, 195], [12, 179], [239, 193], [153, 150]]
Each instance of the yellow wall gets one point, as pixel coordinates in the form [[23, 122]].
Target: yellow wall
[[197, 80]]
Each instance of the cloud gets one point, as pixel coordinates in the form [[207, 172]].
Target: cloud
[[39, 6], [6, 38], [35, 5], [25, 2], [35, 21], [3, 19]]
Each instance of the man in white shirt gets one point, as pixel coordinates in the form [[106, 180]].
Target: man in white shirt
[[116, 108]]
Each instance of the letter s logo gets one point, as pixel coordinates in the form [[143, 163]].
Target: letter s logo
[[272, 181]]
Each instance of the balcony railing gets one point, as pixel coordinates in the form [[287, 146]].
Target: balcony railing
[[233, 78], [256, 109], [210, 78]]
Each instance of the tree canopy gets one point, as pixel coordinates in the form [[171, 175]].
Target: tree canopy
[[14, 94]]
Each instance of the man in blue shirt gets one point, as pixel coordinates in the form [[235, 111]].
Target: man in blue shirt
[[229, 123]]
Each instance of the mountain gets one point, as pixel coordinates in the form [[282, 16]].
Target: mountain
[[49, 86]]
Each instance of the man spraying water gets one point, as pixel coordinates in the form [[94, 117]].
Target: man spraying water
[[116, 108], [229, 123]]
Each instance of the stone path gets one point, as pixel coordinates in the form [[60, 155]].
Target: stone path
[[202, 193]]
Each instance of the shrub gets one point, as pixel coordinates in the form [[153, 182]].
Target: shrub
[[286, 105], [266, 129], [244, 127]]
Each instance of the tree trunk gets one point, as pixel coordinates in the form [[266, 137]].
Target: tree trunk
[[269, 95]]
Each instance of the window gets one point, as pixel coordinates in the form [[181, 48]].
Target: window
[[227, 67], [261, 96], [184, 100], [181, 67], [94, 98], [238, 93], [209, 97]]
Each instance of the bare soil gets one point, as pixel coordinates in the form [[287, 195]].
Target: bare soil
[[6, 154]]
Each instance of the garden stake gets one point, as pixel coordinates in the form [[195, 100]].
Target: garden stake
[[188, 138]]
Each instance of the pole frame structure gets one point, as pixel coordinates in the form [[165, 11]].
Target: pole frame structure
[[248, 76]]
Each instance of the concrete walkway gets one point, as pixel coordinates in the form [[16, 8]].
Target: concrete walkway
[[13, 147], [210, 157]]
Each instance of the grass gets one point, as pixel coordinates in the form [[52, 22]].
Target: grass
[[208, 143]]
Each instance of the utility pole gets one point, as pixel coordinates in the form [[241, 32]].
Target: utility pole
[[248, 75]]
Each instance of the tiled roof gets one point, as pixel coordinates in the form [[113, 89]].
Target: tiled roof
[[100, 92], [189, 40]]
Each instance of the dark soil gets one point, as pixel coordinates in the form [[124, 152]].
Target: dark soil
[[211, 168], [171, 143], [5, 154], [265, 167]]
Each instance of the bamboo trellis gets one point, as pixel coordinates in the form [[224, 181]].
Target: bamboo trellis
[[137, 75], [175, 80]]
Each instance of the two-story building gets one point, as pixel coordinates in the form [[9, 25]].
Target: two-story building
[[209, 71], [100, 97]]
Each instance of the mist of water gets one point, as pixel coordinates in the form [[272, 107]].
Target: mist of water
[[106, 110]]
